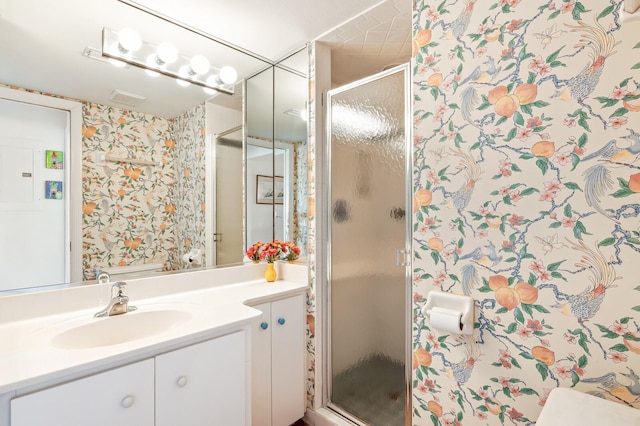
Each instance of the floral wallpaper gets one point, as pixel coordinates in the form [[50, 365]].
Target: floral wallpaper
[[190, 165], [312, 259], [127, 210], [526, 185]]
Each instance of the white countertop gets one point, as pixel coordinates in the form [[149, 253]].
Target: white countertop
[[28, 357]]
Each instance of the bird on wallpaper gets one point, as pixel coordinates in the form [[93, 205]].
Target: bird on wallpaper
[[601, 44], [610, 387], [597, 178], [586, 304], [461, 371], [458, 27], [471, 170], [485, 256], [482, 74]]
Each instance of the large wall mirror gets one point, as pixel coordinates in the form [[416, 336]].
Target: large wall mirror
[[198, 157]]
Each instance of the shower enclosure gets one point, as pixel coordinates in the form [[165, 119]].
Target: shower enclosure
[[368, 241]]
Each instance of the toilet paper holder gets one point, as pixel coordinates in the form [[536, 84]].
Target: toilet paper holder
[[439, 302]]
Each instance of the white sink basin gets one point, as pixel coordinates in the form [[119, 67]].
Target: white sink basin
[[97, 332]]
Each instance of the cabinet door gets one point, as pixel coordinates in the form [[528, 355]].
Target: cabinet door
[[123, 397], [203, 384], [287, 361], [261, 368]]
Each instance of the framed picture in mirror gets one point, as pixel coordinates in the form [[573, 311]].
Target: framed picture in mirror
[[269, 189]]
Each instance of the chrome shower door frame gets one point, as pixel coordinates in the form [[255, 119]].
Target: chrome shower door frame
[[404, 258]]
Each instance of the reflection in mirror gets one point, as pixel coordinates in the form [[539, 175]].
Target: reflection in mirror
[[145, 208], [277, 154]]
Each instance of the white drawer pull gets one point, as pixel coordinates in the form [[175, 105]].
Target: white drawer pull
[[182, 381], [128, 401]]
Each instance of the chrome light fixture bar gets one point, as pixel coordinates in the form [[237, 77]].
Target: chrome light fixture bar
[[127, 46]]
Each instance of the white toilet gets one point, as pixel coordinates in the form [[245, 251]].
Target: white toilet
[[568, 407]]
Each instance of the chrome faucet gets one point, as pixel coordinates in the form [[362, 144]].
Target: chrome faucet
[[119, 303]]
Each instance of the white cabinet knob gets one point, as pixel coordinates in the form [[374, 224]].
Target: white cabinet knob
[[127, 401], [182, 381]]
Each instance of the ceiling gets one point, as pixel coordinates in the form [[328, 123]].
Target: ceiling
[[41, 43]]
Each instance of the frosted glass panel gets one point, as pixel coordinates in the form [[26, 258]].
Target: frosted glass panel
[[367, 228]]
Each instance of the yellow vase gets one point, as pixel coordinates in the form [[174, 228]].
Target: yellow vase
[[270, 274]]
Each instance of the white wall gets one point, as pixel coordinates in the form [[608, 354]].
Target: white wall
[[260, 216], [32, 229]]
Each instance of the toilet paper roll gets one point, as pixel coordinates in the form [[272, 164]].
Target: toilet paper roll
[[446, 320]]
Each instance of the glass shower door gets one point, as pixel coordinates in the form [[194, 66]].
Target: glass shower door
[[368, 233]]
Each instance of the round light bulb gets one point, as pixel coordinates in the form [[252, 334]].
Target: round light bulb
[[129, 40], [184, 73], [228, 75], [212, 80], [199, 64], [151, 63], [303, 114], [166, 53]]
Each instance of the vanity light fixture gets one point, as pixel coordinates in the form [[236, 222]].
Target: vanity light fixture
[[126, 47]]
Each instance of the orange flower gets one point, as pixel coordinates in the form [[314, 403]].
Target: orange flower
[[543, 149], [634, 182], [121, 192], [122, 263], [122, 120], [88, 207], [421, 358], [170, 143], [88, 131], [170, 208]]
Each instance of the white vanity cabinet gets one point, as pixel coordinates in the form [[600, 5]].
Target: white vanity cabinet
[[202, 384], [122, 396], [278, 363]]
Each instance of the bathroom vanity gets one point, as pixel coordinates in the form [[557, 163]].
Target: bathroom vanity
[[195, 352]]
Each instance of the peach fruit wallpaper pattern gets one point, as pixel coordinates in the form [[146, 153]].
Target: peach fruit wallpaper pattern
[[526, 197], [137, 214]]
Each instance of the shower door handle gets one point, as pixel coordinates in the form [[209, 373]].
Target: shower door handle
[[402, 257], [217, 237]]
